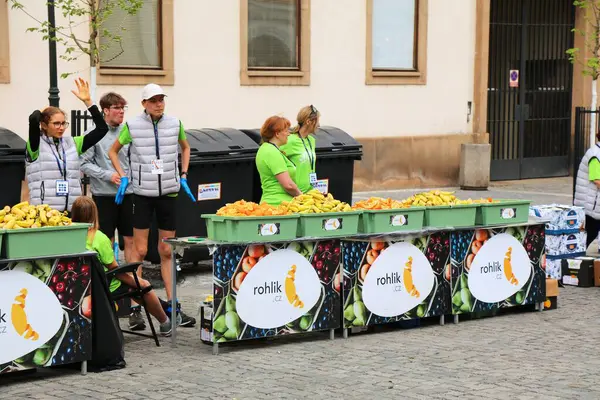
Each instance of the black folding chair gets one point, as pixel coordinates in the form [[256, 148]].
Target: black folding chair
[[136, 293]]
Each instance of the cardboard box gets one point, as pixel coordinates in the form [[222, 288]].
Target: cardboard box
[[206, 325], [551, 288], [578, 272], [597, 272]]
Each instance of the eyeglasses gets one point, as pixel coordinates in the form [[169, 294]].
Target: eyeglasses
[[58, 124], [119, 108]]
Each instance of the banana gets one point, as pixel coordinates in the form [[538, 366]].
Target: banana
[[10, 224], [18, 212], [21, 204], [25, 224]]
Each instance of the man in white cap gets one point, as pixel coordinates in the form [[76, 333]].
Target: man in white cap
[[153, 140]]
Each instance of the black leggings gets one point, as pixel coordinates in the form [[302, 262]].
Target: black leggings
[[592, 226]]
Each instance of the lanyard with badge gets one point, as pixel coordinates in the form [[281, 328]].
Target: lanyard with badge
[[283, 154], [157, 166], [62, 185], [312, 158]]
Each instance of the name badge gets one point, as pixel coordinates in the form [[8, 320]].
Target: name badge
[[62, 188], [157, 167], [313, 178]]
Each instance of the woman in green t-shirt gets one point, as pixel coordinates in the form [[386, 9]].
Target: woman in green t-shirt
[[276, 170], [85, 211], [300, 148]]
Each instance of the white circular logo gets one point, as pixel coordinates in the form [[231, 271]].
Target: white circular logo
[[279, 289], [499, 270], [398, 281]]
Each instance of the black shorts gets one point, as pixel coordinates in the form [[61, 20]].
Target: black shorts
[[121, 290], [113, 216], [165, 208]]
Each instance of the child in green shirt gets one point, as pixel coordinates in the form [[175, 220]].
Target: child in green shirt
[[85, 211]]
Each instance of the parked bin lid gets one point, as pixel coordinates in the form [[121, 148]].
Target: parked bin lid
[[330, 141], [11, 145], [208, 142], [330, 138]]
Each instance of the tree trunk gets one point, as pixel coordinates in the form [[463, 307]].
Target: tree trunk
[[593, 119], [93, 84]]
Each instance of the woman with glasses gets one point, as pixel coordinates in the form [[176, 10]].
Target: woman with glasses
[[52, 159], [276, 170], [300, 148]]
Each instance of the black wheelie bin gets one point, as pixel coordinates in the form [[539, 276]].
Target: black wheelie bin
[[336, 152], [221, 166], [12, 159]]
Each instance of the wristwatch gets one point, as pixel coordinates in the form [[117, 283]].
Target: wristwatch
[[183, 173]]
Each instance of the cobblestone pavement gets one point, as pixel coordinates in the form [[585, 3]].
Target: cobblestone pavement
[[519, 355]]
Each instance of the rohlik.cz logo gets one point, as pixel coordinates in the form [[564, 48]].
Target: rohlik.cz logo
[[500, 269], [398, 281], [30, 314], [279, 289]]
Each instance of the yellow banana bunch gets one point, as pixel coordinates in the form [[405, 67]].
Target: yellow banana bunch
[[24, 215], [315, 202]]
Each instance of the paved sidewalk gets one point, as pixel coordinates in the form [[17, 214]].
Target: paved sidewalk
[[522, 355]]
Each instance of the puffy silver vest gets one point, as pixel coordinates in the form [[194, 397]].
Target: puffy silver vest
[[144, 150], [586, 192], [43, 173]]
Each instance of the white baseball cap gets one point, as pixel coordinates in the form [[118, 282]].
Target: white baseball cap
[[151, 90]]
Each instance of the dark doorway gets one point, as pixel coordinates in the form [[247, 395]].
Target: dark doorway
[[529, 121]]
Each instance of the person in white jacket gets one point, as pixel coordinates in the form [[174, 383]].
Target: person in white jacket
[[104, 183]]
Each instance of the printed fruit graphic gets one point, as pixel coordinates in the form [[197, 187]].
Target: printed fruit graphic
[[290, 288], [69, 281], [353, 255], [76, 345], [326, 259], [248, 263], [19, 317], [315, 202], [336, 281], [239, 278], [225, 261], [227, 325], [86, 307], [438, 251], [508, 273], [408, 281], [256, 250], [24, 215], [305, 249]]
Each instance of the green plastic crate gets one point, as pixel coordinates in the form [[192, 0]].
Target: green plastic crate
[[503, 212], [328, 224], [384, 221], [251, 229], [456, 216], [47, 241]]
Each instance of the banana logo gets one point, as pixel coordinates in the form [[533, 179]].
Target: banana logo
[[19, 318], [408, 281], [290, 288], [510, 276]]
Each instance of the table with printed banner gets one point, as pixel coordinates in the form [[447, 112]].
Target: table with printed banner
[[45, 312], [323, 284]]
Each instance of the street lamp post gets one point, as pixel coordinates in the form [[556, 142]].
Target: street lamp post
[[53, 91]]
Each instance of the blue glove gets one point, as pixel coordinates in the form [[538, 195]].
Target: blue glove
[[122, 190], [187, 190]]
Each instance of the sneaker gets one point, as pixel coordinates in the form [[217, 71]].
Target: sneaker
[[186, 320], [165, 328], [136, 322]]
